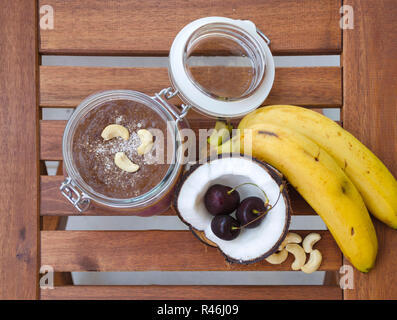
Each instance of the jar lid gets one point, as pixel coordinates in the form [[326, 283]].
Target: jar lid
[[222, 67]]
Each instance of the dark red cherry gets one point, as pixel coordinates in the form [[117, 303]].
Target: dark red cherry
[[225, 227], [249, 209], [219, 200]]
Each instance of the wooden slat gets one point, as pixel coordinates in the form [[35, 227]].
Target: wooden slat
[[51, 132], [149, 27], [19, 164], [63, 86], [153, 251], [155, 292], [53, 203], [370, 113]]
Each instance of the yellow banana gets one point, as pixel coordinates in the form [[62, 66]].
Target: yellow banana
[[373, 180], [321, 182]]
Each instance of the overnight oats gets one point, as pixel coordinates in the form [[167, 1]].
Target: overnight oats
[[121, 152], [99, 142]]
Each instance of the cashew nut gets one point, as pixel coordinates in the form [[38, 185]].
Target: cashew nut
[[310, 240], [146, 141], [299, 254], [122, 161], [291, 237], [313, 263], [278, 257], [115, 130]]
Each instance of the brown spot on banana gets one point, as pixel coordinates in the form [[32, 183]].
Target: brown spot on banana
[[268, 133], [344, 168], [345, 186]]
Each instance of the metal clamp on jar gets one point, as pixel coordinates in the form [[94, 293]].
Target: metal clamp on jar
[[220, 67]]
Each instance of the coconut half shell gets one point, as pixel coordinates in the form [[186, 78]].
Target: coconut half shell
[[252, 245]]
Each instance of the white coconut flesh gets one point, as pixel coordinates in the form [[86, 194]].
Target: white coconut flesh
[[251, 243]]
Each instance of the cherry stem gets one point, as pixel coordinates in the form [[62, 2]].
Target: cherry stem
[[253, 184], [266, 211]]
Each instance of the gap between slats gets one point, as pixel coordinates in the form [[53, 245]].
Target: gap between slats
[[166, 222], [154, 251], [162, 62], [206, 278]]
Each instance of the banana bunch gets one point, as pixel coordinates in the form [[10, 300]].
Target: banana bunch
[[334, 172], [373, 180]]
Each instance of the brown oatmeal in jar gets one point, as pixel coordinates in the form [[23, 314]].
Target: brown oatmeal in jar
[[94, 157]]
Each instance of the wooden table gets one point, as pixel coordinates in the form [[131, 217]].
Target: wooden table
[[364, 88]]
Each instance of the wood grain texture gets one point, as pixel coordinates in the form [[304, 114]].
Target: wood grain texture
[[149, 27], [154, 251], [53, 203], [155, 292], [51, 134], [370, 113], [65, 86], [19, 164]]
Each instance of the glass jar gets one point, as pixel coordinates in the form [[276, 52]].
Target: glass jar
[[82, 195], [221, 67], [218, 66]]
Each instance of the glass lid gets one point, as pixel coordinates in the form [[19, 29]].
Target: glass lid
[[222, 67]]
